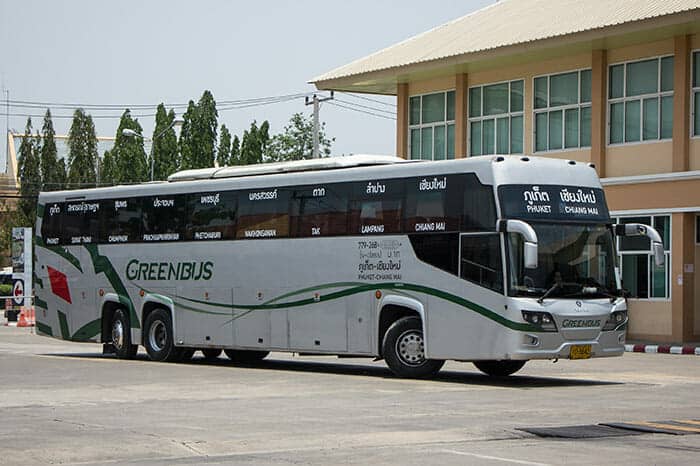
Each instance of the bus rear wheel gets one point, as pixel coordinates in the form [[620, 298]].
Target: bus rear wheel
[[244, 356], [158, 339], [404, 350], [499, 368], [121, 335], [211, 354]]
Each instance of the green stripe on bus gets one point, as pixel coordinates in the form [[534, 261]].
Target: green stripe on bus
[[61, 251], [63, 323], [43, 328], [38, 302], [102, 264], [87, 331]]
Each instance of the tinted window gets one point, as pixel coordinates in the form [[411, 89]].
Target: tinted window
[[481, 260], [51, 224], [211, 216], [263, 213], [376, 207], [80, 222], [163, 217], [319, 211], [439, 250], [120, 220], [432, 204], [479, 206]]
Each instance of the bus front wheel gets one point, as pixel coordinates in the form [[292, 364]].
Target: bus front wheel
[[499, 368], [158, 339], [404, 350], [121, 335]]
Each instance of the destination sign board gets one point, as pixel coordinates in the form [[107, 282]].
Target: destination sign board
[[554, 203]]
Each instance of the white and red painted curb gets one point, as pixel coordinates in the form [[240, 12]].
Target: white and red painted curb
[[663, 349]]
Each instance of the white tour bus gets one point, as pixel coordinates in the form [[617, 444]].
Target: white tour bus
[[494, 260]]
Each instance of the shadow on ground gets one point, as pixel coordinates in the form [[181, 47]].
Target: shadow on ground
[[369, 370]]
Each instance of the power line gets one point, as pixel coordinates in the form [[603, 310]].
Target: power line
[[389, 104], [362, 111], [390, 112]]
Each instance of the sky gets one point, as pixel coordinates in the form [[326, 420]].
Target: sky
[[133, 52]]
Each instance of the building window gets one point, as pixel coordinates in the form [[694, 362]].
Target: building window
[[640, 98], [640, 275], [496, 118], [696, 94], [431, 126], [562, 111]]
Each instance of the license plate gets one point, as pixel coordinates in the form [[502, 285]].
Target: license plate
[[580, 352]]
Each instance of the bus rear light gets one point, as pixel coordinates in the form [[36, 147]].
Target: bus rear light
[[542, 320], [378, 294]]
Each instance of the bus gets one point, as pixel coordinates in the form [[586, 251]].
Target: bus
[[491, 260]]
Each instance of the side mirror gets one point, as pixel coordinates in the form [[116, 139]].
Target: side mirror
[[638, 229], [529, 236]]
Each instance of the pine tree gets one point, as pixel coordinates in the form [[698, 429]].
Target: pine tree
[[164, 150], [186, 142], [61, 174], [108, 170], [254, 143], [29, 171], [50, 174], [205, 125], [223, 153], [82, 151], [128, 153], [235, 158]]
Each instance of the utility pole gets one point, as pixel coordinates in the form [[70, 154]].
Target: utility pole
[[7, 128], [315, 101]]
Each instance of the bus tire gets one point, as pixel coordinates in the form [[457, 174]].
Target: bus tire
[[158, 337], [501, 368], [211, 354], [403, 350], [246, 357], [121, 335]]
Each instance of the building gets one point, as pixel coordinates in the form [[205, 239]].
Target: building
[[612, 82]]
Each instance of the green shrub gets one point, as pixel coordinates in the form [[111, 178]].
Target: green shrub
[[5, 290]]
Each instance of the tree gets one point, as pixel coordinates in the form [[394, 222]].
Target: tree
[[61, 173], [186, 142], [82, 151], [108, 169], [198, 144], [254, 143], [223, 153], [29, 172], [164, 149], [128, 153], [235, 158], [296, 142], [50, 173]]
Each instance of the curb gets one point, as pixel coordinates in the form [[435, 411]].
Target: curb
[[663, 349]]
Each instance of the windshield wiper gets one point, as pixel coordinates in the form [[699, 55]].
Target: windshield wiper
[[551, 290], [558, 285]]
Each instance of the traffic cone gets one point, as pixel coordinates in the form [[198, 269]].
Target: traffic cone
[[22, 322]]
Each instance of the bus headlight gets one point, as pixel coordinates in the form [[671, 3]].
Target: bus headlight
[[616, 321], [542, 320]]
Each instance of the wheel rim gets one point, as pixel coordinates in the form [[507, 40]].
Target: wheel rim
[[410, 348], [157, 335], [118, 334]]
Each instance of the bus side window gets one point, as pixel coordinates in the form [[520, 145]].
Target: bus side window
[[319, 211], [376, 207], [163, 217], [51, 223], [481, 260], [432, 204], [263, 213], [211, 216], [80, 222], [120, 220], [479, 206]]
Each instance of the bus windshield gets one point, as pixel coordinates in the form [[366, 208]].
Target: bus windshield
[[577, 258]]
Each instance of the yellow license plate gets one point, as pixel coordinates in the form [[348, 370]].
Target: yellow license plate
[[580, 352]]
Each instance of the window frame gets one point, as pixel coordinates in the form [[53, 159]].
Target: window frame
[[640, 98], [693, 90], [420, 126], [509, 114], [579, 105], [668, 253]]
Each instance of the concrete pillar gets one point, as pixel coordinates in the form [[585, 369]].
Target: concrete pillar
[[402, 120], [461, 119], [599, 102], [681, 103], [682, 278]]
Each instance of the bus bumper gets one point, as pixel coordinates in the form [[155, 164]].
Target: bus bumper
[[553, 346]]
